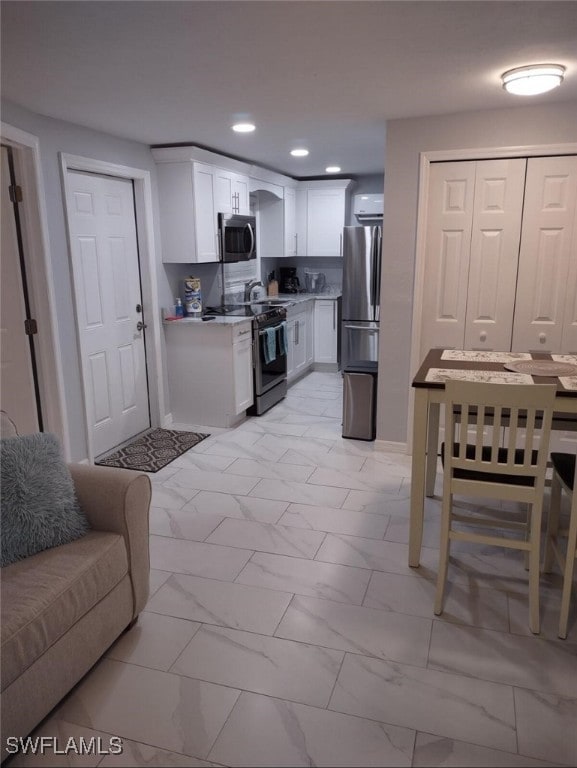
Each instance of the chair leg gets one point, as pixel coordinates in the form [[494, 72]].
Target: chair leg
[[552, 523], [568, 571], [443, 552], [534, 567]]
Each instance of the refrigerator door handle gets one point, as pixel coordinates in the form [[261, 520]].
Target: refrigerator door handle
[[376, 271], [378, 259], [361, 328]]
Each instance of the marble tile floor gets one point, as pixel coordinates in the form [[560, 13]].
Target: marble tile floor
[[284, 627]]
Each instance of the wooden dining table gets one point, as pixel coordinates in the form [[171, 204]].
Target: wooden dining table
[[429, 386]]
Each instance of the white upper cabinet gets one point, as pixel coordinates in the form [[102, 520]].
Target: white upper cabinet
[[325, 221], [188, 221], [290, 224], [232, 192]]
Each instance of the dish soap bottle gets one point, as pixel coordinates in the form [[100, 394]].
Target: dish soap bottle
[[178, 309]]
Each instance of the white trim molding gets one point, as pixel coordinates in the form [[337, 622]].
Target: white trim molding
[[40, 280], [148, 266], [452, 155]]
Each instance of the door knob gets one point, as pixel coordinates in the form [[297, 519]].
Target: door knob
[[483, 336], [542, 338], [140, 325]]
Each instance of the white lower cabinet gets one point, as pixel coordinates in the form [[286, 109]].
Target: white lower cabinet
[[242, 373], [210, 372], [326, 331], [299, 340]]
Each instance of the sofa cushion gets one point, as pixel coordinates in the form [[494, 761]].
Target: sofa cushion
[[46, 594], [39, 508]]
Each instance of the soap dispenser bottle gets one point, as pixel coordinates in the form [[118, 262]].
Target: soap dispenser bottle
[[178, 309]]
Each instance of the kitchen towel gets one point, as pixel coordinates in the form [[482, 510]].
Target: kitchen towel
[[268, 336]]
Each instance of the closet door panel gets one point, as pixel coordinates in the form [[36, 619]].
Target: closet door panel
[[449, 220], [546, 255], [496, 227], [569, 339]]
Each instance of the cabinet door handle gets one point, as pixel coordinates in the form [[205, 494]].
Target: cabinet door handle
[[297, 332], [340, 245], [334, 315], [296, 244]]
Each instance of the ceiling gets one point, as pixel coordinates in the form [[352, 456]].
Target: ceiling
[[326, 75]]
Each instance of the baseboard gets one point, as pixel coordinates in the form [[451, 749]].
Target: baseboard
[[391, 447]]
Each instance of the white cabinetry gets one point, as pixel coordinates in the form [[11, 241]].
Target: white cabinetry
[[209, 371], [325, 221], [290, 224], [231, 192], [188, 220], [325, 331], [299, 341], [242, 370]]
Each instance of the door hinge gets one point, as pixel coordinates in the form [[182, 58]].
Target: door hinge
[[15, 192], [30, 327]]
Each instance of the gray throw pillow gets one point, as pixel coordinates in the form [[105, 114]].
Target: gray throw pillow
[[38, 505]]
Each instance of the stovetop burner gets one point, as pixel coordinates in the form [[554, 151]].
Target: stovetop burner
[[261, 313]]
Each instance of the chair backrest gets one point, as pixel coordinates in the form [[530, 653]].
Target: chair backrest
[[526, 409]]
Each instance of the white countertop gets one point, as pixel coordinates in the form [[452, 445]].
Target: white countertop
[[218, 320], [295, 298]]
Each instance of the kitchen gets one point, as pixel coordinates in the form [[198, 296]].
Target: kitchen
[[271, 233]]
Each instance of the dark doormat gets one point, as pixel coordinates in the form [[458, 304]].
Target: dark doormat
[[153, 451]]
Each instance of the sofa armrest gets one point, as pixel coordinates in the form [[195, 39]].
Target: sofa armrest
[[118, 500]]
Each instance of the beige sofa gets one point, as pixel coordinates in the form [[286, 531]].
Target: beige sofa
[[62, 608]]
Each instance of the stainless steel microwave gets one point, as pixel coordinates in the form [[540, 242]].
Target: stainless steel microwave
[[237, 237]]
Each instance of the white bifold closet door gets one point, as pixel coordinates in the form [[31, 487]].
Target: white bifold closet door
[[546, 309], [473, 226]]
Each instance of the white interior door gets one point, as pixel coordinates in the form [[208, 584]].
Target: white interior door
[[546, 253], [447, 255], [497, 212], [17, 394], [109, 306]]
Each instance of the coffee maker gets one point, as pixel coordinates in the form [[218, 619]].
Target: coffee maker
[[289, 282]]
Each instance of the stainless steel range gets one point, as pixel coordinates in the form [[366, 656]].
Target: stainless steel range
[[269, 350]]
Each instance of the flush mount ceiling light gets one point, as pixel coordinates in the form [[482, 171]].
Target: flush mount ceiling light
[[299, 152], [333, 169], [243, 127], [529, 81]]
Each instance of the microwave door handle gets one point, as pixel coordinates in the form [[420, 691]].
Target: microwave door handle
[[252, 241]]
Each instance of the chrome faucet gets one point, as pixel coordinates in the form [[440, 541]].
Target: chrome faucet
[[248, 288]]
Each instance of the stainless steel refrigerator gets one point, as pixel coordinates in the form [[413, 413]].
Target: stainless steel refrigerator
[[361, 292]]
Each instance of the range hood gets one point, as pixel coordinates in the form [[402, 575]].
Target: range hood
[[368, 207]]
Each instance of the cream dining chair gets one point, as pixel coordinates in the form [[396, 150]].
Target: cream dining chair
[[486, 468], [563, 479]]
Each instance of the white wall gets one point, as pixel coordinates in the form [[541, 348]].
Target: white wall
[[54, 137], [406, 139]]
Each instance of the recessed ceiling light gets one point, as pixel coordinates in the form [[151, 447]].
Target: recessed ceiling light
[[529, 81], [299, 152], [243, 127], [333, 169]]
